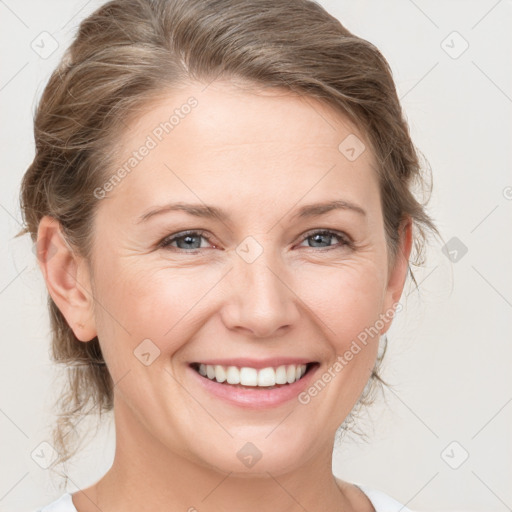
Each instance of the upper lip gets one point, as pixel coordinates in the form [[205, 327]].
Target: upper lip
[[255, 363]]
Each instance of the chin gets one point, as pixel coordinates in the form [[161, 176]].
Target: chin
[[256, 455]]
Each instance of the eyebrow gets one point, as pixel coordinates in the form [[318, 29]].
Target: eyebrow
[[210, 212], [312, 210]]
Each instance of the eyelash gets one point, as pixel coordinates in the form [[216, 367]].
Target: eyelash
[[345, 241]]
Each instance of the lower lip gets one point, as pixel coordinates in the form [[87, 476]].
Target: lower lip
[[255, 398]]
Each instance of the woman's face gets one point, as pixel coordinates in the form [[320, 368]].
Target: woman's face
[[271, 281]]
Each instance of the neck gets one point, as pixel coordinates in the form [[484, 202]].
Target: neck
[[147, 475]]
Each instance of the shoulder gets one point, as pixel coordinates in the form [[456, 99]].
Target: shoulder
[[382, 502], [363, 496], [63, 504]]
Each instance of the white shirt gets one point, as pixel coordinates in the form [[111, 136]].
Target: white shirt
[[381, 502]]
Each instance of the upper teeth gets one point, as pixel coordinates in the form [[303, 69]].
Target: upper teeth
[[251, 376]]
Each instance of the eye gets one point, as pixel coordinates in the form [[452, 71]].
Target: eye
[[324, 236], [187, 241], [191, 241]]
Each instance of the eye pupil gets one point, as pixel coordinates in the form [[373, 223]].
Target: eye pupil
[[318, 236], [189, 241]]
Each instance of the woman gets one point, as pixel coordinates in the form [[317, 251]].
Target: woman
[[222, 207]]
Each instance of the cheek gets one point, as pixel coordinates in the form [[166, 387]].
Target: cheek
[[347, 299], [346, 303], [140, 304]]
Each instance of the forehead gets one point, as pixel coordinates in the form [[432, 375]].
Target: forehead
[[223, 141], [220, 110]]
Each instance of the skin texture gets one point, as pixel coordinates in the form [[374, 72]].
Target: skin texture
[[260, 155]]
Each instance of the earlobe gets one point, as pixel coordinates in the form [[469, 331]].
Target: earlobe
[[66, 277]]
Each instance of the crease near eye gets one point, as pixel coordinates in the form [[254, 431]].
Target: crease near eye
[[344, 241]]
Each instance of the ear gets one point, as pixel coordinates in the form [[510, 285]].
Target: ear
[[398, 271], [67, 278]]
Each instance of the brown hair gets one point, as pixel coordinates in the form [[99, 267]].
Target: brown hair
[[126, 54]]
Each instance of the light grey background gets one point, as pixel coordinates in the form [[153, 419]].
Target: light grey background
[[450, 349]]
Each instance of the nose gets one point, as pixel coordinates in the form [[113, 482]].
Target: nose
[[259, 297]]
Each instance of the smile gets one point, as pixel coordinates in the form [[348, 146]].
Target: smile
[[269, 377], [253, 383]]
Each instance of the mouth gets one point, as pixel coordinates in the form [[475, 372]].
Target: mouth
[[247, 377]]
